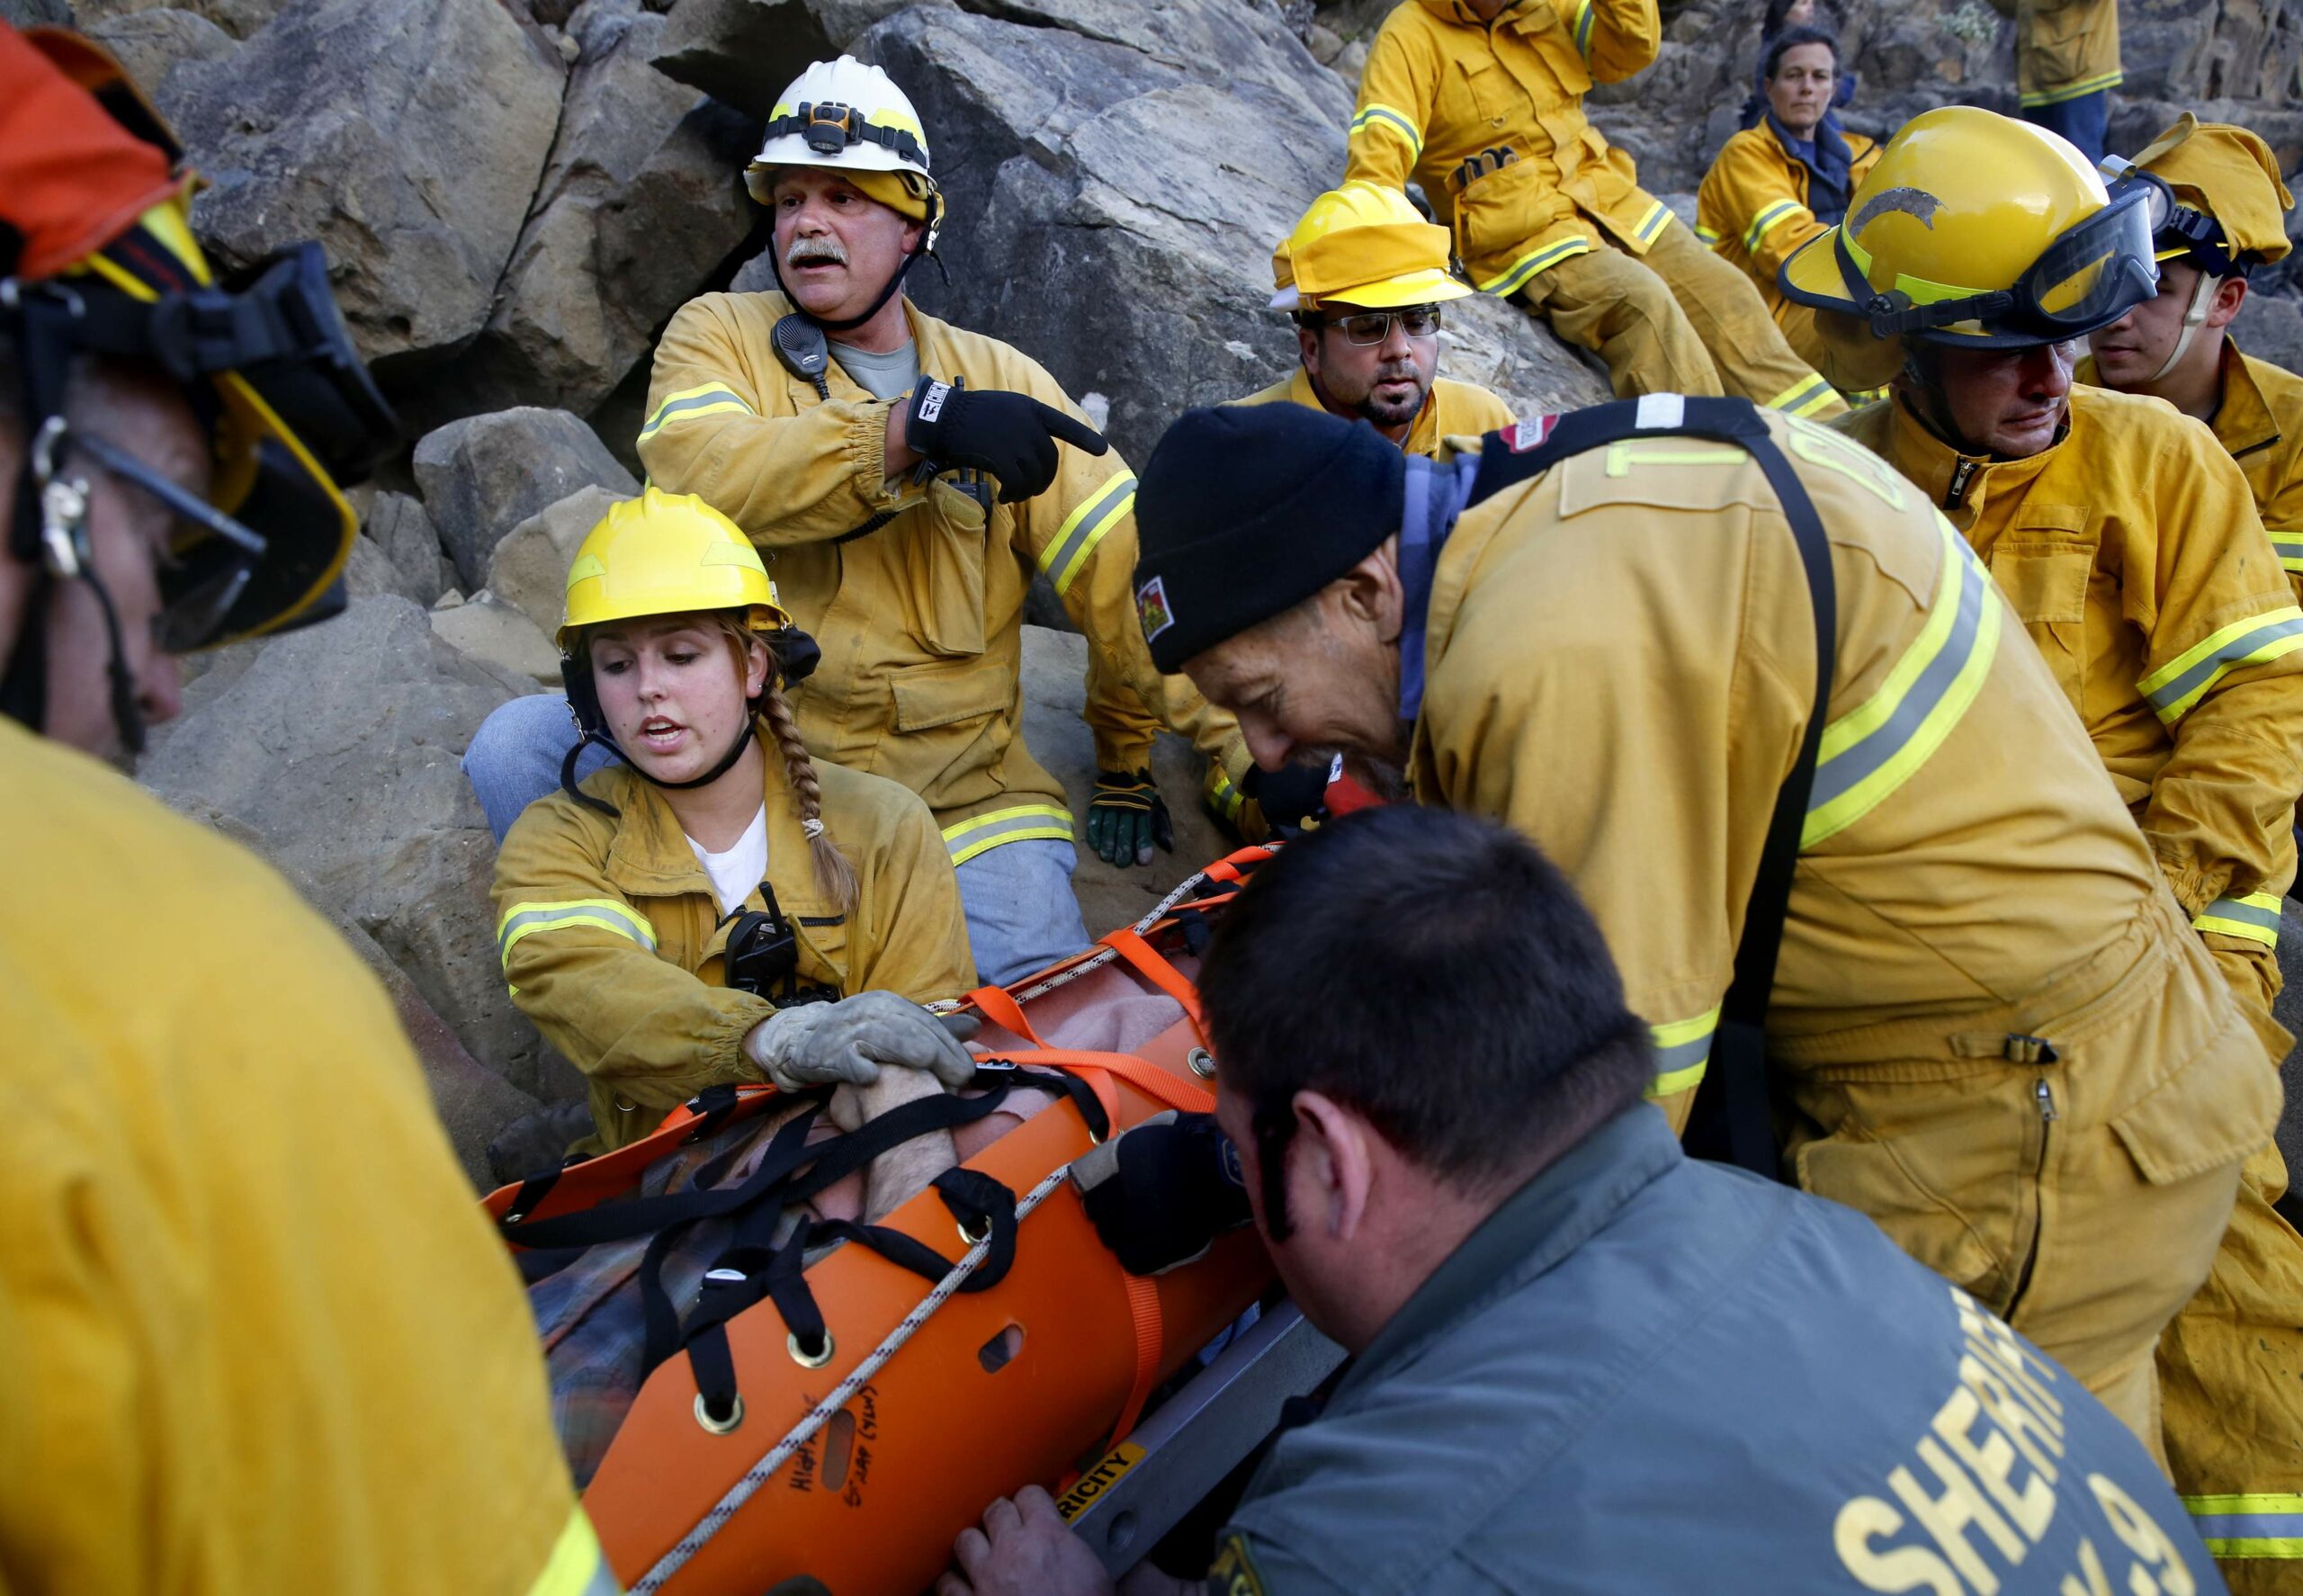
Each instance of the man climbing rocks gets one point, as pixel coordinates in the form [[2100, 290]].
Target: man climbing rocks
[[1480, 102]]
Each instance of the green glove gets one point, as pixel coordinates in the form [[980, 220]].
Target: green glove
[[1126, 817]]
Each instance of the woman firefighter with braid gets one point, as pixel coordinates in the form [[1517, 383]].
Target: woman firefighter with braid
[[717, 909]]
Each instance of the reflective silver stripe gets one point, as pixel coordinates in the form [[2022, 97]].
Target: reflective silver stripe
[[600, 913], [709, 398], [2254, 915], [2175, 687], [1085, 527], [1024, 823]]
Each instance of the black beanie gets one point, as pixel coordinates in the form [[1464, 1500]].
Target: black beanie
[[1247, 510]]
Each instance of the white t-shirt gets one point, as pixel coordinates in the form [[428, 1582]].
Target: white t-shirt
[[734, 873]]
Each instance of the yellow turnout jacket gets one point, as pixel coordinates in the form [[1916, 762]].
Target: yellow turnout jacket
[[2063, 49], [1620, 664], [919, 620], [2260, 424], [2131, 552], [258, 1336], [1751, 209], [614, 943], [1442, 88]]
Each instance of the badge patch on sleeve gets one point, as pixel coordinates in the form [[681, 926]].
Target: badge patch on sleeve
[[1233, 1572], [1152, 608]]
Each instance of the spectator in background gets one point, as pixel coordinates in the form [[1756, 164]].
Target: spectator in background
[[1782, 14], [1779, 183], [2066, 64]]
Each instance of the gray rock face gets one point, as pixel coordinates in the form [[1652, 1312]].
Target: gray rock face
[[237, 19], [1118, 176], [336, 749], [741, 52], [398, 525], [1055, 664], [406, 137], [151, 44], [641, 202], [486, 474]]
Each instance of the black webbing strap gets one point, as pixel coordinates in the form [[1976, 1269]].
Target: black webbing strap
[[1731, 1120]]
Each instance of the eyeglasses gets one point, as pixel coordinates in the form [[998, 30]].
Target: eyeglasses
[[1373, 326]]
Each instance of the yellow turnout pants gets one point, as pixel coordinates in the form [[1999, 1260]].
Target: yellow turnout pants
[[1677, 320], [2231, 1365], [2081, 1197]]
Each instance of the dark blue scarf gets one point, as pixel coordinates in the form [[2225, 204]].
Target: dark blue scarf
[[1827, 158]]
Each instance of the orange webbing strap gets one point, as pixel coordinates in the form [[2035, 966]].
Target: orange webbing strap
[[1002, 1011], [1170, 1089], [1143, 1313], [1161, 974]]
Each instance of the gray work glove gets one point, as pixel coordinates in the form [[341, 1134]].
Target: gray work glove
[[846, 1042]]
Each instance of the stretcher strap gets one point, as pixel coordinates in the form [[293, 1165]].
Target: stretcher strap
[[1143, 1313], [760, 1474], [1002, 1011], [1130, 947], [1172, 1090]]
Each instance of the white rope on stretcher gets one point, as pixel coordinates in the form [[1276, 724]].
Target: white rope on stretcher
[[1143, 928], [743, 1490]]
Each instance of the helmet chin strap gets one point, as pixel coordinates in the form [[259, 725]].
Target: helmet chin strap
[[2194, 318]]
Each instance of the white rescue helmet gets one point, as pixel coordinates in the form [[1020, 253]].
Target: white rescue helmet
[[846, 117]]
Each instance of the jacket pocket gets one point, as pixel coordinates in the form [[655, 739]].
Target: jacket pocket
[[944, 574], [1500, 216], [1485, 89], [2043, 567], [930, 696], [2220, 1108], [1906, 1154]]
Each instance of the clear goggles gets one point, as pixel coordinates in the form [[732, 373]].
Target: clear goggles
[[2093, 273]]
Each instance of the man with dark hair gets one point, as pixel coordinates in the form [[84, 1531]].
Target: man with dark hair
[[1584, 1362]]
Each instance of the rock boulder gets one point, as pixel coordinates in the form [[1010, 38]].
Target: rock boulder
[[640, 206], [406, 135], [484, 475], [336, 748]]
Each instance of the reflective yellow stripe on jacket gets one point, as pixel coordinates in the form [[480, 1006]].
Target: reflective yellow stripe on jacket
[[2071, 91], [2258, 1526], [709, 399], [2289, 545], [1683, 1054], [605, 914], [1876, 747], [2254, 640], [1025, 822], [1515, 277], [2252, 915], [1769, 219], [1579, 23], [577, 1566], [1085, 527], [1810, 394], [1393, 121]]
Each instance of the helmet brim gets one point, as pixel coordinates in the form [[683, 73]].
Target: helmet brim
[[1812, 276], [1431, 287]]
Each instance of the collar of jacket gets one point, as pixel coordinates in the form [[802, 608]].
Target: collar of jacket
[[650, 858], [2243, 420], [1958, 481], [1537, 1227]]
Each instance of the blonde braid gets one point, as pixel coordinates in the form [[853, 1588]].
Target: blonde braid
[[835, 875]]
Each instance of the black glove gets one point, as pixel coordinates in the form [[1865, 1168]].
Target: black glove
[[1011, 435], [1293, 799], [1127, 816], [1162, 1193]]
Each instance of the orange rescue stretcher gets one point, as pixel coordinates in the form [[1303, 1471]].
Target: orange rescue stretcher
[[855, 1457]]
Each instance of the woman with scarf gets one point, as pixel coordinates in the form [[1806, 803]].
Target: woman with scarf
[[1778, 184]]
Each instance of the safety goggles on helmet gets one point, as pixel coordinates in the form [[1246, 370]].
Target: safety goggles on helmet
[[1373, 326], [827, 128], [2178, 231], [2094, 273], [199, 586]]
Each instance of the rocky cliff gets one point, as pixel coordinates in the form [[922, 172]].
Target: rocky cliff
[[516, 195]]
